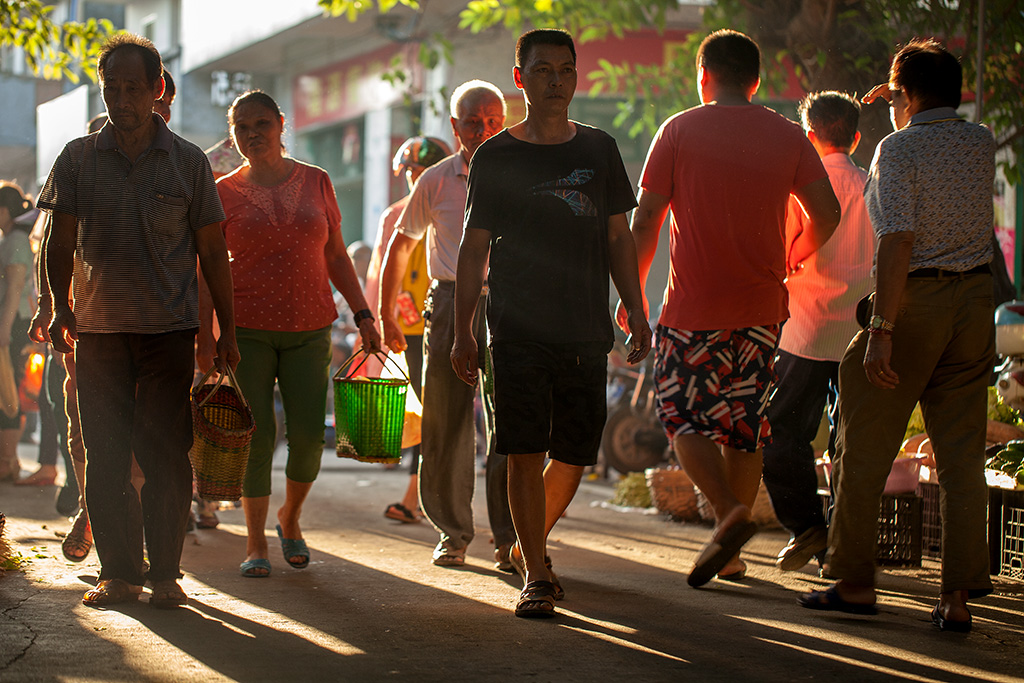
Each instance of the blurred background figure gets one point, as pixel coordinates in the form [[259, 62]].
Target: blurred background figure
[[15, 309], [163, 105], [414, 156]]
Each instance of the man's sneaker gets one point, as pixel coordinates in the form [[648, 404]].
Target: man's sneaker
[[802, 548]]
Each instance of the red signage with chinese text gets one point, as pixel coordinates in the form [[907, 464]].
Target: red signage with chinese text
[[353, 87]]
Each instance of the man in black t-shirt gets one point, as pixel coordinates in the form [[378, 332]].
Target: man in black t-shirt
[[547, 204]]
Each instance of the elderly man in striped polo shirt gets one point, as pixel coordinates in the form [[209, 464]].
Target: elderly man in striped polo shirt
[[133, 206]]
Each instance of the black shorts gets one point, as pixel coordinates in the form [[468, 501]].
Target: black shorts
[[550, 398]]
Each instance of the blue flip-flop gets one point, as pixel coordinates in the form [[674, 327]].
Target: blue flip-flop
[[294, 547], [249, 567]]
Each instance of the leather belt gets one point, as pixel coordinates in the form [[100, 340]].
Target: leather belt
[[939, 273]]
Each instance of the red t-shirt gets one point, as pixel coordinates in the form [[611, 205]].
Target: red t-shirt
[[276, 238], [729, 171]]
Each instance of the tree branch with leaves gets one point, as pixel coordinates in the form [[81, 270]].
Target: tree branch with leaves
[[52, 49]]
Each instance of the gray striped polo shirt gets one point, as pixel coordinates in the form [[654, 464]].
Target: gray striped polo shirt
[[135, 260]]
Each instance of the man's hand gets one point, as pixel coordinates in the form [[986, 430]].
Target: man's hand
[[881, 90], [370, 336], [622, 316], [63, 329], [393, 335], [464, 359], [37, 330], [639, 341], [227, 352], [876, 362]]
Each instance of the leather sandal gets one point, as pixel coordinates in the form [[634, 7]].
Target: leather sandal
[[167, 595], [111, 592], [537, 600], [78, 542]]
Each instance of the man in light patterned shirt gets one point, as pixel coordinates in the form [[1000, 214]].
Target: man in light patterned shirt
[[823, 295], [931, 338]]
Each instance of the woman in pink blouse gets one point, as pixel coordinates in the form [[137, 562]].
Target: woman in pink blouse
[[283, 231]]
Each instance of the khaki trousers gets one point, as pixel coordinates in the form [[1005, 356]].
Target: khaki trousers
[[943, 352]]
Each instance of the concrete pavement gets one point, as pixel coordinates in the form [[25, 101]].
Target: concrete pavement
[[372, 607]]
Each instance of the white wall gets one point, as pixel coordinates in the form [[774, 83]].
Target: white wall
[[218, 28], [162, 15], [63, 119]]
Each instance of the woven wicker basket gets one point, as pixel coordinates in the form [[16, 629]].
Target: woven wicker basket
[[222, 427], [369, 413], [672, 492]]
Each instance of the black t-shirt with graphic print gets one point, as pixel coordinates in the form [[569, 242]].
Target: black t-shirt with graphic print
[[547, 209]]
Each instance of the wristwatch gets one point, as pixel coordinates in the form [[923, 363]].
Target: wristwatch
[[879, 325], [360, 316]]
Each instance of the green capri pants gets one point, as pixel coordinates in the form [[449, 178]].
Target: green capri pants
[[298, 362]]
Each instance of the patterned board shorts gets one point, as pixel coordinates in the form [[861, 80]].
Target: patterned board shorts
[[716, 383]]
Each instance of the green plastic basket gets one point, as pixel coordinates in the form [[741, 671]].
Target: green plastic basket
[[369, 413]]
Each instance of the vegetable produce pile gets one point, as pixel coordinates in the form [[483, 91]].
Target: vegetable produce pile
[[1009, 460]]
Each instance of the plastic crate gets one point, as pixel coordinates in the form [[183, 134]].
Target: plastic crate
[[931, 520], [899, 531], [1011, 555]]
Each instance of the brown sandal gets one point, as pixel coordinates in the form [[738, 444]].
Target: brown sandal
[[78, 542], [111, 592], [537, 600], [167, 595]]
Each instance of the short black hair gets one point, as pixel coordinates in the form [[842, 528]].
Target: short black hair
[[256, 97], [928, 72], [543, 36], [144, 47], [733, 58], [833, 116], [169, 89]]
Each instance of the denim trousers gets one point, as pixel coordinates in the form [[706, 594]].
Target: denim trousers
[[803, 387], [133, 397]]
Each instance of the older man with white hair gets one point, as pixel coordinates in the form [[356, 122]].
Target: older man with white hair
[[447, 466]]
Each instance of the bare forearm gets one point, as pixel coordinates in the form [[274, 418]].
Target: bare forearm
[[647, 221], [623, 264], [823, 213], [343, 275], [44, 286], [396, 260], [205, 307], [892, 262], [217, 274], [469, 278], [60, 265]]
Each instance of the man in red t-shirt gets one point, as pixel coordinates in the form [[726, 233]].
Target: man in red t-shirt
[[726, 169]]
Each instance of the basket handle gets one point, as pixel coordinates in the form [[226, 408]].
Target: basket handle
[[382, 357], [230, 374]]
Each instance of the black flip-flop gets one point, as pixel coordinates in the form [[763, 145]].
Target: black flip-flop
[[400, 513], [830, 601], [951, 625], [717, 553]]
